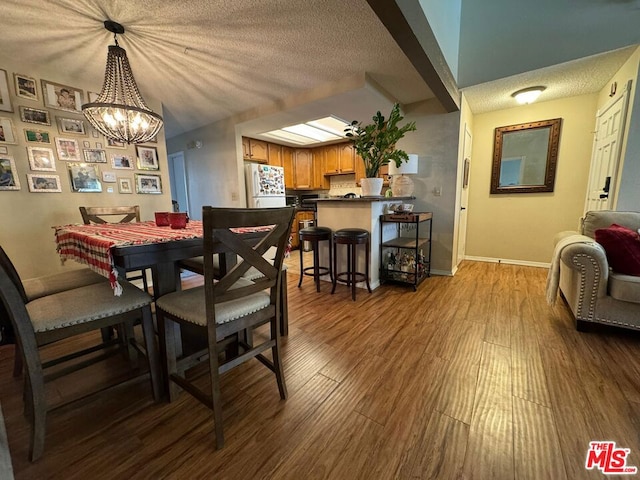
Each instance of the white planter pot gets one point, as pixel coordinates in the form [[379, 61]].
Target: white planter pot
[[371, 187]]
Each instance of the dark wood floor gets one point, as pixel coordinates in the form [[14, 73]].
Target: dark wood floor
[[472, 376]]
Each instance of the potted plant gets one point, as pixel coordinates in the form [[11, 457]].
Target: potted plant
[[376, 145]]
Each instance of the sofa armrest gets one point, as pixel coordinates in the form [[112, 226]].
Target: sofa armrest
[[584, 276]]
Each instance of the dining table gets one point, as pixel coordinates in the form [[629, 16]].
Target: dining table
[[111, 249]]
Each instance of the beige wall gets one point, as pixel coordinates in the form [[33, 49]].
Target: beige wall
[[26, 217], [521, 227]]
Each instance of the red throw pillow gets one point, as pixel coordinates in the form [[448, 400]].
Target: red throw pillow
[[622, 246]]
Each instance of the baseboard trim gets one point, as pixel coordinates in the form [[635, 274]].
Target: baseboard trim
[[508, 261]]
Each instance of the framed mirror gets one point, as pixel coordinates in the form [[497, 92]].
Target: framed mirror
[[525, 157]]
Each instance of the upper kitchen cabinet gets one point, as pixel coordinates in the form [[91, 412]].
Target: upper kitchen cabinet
[[255, 150], [303, 169], [275, 154], [331, 162], [320, 182], [346, 157], [288, 164]]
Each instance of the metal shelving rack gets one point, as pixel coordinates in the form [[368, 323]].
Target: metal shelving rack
[[406, 259]]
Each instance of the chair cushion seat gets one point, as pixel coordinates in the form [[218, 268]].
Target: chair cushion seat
[[59, 282], [189, 305], [624, 287], [91, 302]]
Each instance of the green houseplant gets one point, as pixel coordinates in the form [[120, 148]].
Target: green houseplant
[[376, 142]]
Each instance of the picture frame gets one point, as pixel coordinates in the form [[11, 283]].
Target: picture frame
[[4, 150], [85, 177], [147, 158], [34, 135], [95, 133], [35, 115], [62, 97], [109, 177], [111, 143], [7, 131], [95, 155], [121, 162], [41, 159], [26, 87], [8, 173], [5, 96], [70, 126], [98, 145], [42, 183], [124, 185], [68, 149], [148, 183], [86, 144]]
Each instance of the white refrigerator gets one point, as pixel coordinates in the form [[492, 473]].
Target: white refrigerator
[[265, 186]]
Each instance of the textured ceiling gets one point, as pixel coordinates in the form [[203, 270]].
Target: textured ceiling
[[579, 77], [207, 60]]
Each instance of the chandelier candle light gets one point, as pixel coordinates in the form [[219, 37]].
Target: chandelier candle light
[[120, 112], [402, 184]]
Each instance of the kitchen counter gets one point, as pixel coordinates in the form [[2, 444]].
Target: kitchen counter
[[363, 199], [337, 213]]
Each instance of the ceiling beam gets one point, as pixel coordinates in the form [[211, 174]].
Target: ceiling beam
[[421, 49]]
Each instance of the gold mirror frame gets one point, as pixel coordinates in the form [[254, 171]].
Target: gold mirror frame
[[503, 134]]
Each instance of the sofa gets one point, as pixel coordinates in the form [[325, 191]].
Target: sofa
[[592, 289]]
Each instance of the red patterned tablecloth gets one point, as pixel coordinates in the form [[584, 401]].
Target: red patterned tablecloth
[[91, 244]]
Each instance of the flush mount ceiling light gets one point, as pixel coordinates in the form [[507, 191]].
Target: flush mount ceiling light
[[528, 95], [120, 112], [321, 130]]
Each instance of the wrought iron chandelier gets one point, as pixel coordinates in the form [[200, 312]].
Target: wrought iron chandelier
[[120, 112]]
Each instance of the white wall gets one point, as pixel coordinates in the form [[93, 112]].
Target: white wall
[[27, 218]]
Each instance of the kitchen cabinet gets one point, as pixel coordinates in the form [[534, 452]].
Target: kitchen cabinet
[[303, 169], [288, 164], [320, 182], [255, 150], [346, 158], [406, 257], [331, 162], [295, 226], [274, 154], [338, 159]]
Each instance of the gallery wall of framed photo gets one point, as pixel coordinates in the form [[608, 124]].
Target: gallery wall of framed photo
[[52, 162]]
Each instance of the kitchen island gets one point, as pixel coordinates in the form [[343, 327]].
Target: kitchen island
[[362, 212]]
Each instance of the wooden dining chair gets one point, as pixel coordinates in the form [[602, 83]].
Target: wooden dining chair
[[61, 315], [39, 287], [226, 310], [103, 215], [196, 265]]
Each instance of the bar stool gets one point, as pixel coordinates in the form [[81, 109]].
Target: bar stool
[[315, 235], [351, 237]]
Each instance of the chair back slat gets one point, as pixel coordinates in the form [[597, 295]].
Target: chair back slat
[[249, 248], [98, 214]]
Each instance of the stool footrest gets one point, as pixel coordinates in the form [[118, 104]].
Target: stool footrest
[[360, 277], [321, 271]]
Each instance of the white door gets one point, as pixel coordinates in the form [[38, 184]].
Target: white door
[[178, 181], [605, 158], [464, 196]]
